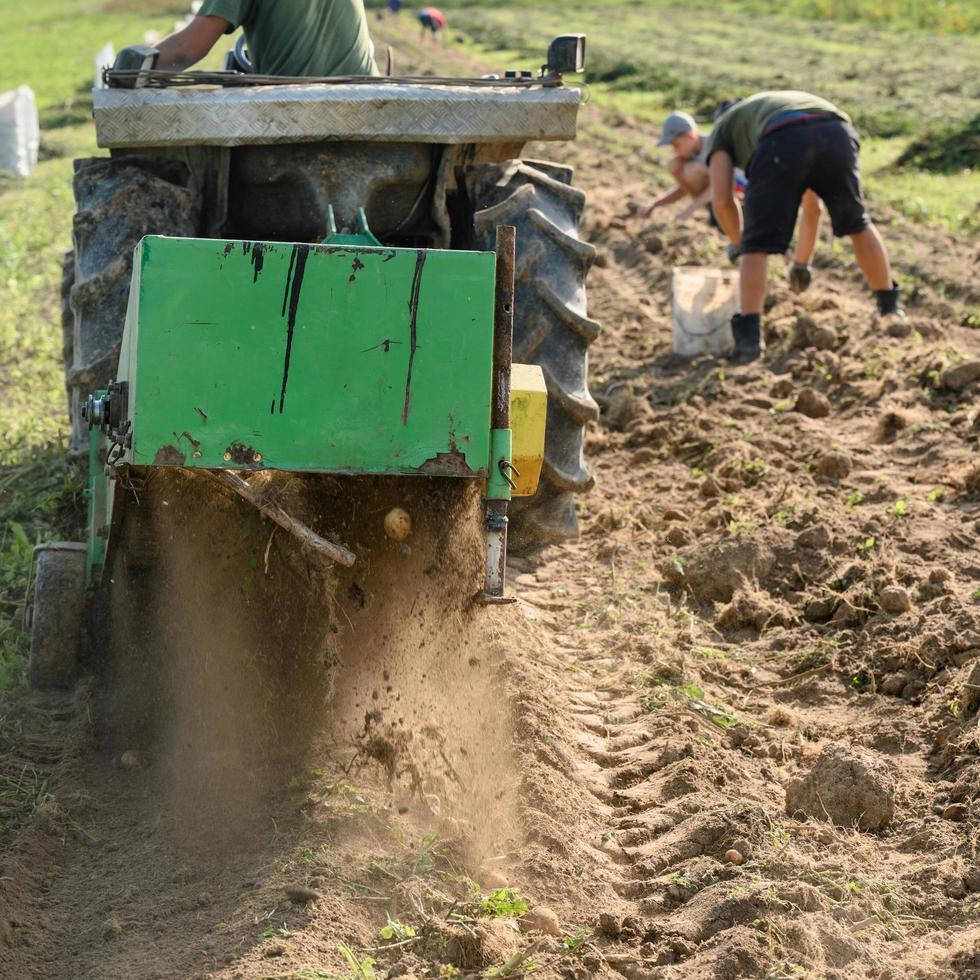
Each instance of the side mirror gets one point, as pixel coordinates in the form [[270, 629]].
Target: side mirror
[[135, 58], [566, 53]]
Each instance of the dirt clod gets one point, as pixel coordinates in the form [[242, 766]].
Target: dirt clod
[[678, 537], [852, 786], [810, 333], [894, 599], [652, 240], [899, 328], [816, 537], [609, 925], [624, 407], [301, 894], [644, 455], [893, 684], [956, 811], [812, 403], [832, 466], [960, 376], [542, 919]]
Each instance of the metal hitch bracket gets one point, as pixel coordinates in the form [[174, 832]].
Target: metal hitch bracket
[[499, 484]]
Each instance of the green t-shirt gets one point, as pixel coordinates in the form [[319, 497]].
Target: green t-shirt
[[301, 37], [739, 130]]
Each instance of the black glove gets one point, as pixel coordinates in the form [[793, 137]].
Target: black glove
[[734, 251], [135, 58], [799, 277]]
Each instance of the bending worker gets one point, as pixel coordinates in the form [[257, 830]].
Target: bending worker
[[788, 143], [688, 166], [433, 20], [285, 37]]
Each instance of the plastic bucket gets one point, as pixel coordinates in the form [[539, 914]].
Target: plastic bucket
[[704, 302]]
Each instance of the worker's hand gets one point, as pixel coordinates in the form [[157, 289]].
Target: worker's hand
[[799, 277], [734, 251], [645, 210]]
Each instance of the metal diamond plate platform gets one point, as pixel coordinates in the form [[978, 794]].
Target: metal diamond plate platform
[[307, 113]]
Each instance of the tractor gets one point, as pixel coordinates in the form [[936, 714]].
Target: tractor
[[322, 275]]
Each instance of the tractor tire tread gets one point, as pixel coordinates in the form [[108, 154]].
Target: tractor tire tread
[[118, 200], [551, 329]]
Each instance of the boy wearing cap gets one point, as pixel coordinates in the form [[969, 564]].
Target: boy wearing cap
[[788, 143], [688, 166]]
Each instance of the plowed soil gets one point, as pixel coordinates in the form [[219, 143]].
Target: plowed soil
[[731, 732]]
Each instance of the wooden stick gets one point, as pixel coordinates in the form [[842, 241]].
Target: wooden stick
[[335, 552]]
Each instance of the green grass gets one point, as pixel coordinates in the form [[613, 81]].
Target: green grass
[[51, 46], [938, 16], [925, 196], [683, 54], [945, 148]]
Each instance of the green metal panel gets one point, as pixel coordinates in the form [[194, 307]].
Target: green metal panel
[[98, 507], [309, 357]]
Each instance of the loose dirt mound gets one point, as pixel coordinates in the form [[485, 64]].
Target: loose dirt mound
[[851, 786]]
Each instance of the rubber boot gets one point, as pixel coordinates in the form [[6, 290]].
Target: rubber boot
[[889, 301], [891, 316], [747, 332]]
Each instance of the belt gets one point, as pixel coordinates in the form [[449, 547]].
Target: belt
[[797, 116]]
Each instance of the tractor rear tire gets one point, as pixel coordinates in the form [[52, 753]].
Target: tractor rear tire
[[551, 327], [56, 621], [118, 201]]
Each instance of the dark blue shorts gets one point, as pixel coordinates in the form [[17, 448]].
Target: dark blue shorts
[[426, 21], [817, 154]]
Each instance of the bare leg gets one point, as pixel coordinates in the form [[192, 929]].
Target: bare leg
[[691, 177], [752, 282], [869, 250], [809, 228]]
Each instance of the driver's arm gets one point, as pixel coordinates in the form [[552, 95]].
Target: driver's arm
[[190, 45]]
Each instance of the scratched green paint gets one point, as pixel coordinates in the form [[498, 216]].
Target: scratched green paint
[[205, 353]]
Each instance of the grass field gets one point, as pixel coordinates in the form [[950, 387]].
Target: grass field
[[937, 16], [52, 48], [895, 79]]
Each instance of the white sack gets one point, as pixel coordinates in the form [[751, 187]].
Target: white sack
[[20, 134], [105, 57]]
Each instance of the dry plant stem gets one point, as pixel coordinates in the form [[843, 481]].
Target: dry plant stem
[[822, 669], [335, 552]]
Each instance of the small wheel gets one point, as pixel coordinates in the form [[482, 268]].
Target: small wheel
[[59, 603]]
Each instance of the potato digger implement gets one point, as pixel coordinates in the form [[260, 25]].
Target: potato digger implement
[[336, 276]]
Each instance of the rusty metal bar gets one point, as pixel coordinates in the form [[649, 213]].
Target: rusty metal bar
[[503, 351], [503, 327]]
